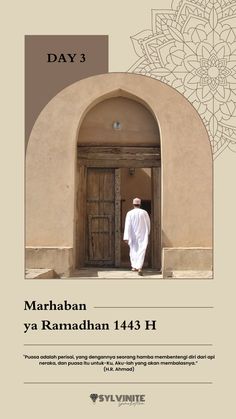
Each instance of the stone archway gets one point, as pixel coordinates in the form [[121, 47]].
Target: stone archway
[[51, 165]]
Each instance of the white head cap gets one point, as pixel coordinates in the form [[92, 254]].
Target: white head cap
[[136, 201]]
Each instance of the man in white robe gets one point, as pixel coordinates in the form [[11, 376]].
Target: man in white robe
[[136, 233]]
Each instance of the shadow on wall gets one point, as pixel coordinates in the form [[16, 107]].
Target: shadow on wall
[[166, 242]]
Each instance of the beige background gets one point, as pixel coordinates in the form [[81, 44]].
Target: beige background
[[119, 20]]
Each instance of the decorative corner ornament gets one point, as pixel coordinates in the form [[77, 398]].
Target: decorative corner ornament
[[192, 48]]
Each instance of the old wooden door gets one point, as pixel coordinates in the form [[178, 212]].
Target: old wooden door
[[98, 215], [102, 207]]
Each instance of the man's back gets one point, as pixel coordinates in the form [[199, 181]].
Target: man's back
[[137, 229], [137, 224]]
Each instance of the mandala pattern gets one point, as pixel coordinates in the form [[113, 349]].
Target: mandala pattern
[[192, 48]]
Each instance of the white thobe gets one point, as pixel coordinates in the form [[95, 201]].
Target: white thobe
[[137, 229]]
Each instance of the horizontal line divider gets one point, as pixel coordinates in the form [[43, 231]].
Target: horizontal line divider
[[118, 382], [118, 344], [153, 307]]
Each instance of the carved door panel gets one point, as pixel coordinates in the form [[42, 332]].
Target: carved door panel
[[101, 208]]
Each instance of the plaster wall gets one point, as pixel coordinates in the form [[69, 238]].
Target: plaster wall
[[185, 152], [138, 126]]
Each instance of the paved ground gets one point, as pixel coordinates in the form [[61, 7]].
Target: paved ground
[[99, 273], [193, 274]]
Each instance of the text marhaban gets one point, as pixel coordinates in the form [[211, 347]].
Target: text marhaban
[[50, 305]]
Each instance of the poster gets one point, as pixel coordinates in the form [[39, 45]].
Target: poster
[[182, 364]]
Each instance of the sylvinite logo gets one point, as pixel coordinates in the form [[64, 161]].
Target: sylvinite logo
[[93, 397], [121, 399]]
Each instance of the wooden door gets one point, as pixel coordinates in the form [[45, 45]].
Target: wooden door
[[102, 232]]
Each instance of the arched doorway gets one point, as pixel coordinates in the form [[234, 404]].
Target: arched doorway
[[118, 159], [55, 179]]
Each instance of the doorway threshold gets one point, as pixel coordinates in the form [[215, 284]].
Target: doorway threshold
[[115, 273]]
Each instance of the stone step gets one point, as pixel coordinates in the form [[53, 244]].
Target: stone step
[[40, 274]]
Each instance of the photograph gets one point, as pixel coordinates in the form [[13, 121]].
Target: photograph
[[119, 183]]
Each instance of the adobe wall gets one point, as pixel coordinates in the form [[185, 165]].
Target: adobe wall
[[51, 165], [138, 126]]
